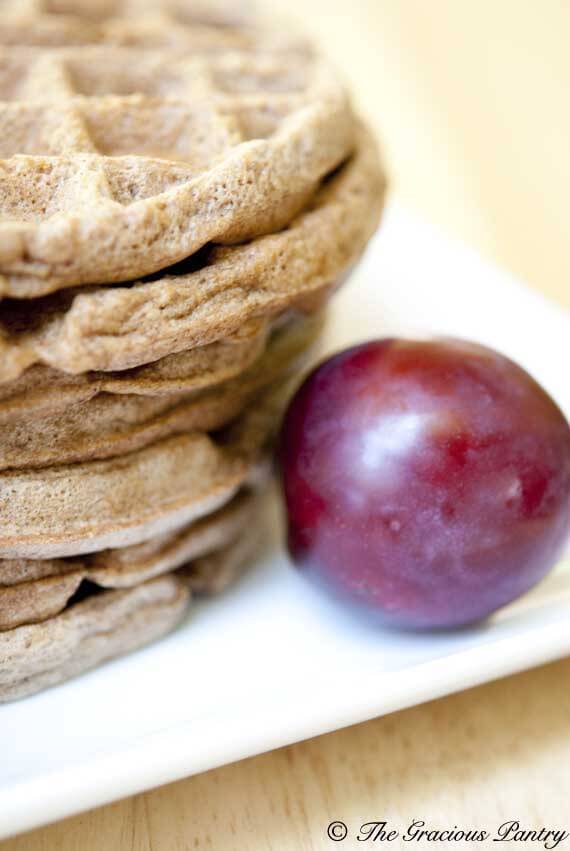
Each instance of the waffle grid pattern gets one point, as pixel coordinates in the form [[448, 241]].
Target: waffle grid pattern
[[117, 161]]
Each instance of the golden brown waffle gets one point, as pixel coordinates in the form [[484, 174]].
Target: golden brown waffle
[[213, 572], [41, 391], [80, 508], [174, 24], [109, 425], [120, 327], [32, 591], [119, 161], [103, 626], [112, 622]]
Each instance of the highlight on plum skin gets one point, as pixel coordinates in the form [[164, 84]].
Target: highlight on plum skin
[[426, 483]]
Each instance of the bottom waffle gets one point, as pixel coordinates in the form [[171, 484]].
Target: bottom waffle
[[99, 624]]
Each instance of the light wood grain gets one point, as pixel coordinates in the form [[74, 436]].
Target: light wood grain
[[471, 100]]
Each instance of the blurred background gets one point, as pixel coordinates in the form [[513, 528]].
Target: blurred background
[[470, 98]]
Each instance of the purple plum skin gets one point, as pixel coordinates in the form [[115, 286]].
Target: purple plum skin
[[427, 483]]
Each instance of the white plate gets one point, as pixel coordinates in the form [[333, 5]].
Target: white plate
[[272, 662]]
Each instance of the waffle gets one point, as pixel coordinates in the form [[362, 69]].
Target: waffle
[[213, 572], [81, 508], [33, 591], [108, 425], [113, 622], [101, 627], [185, 25], [41, 390], [120, 327], [119, 161]]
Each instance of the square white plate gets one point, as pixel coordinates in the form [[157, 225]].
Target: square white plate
[[272, 662]]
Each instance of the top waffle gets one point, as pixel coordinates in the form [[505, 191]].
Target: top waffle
[[119, 160], [209, 298], [176, 24]]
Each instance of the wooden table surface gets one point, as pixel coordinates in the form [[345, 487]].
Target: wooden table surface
[[471, 99]]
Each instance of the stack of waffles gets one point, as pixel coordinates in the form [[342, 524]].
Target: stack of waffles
[[181, 190]]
